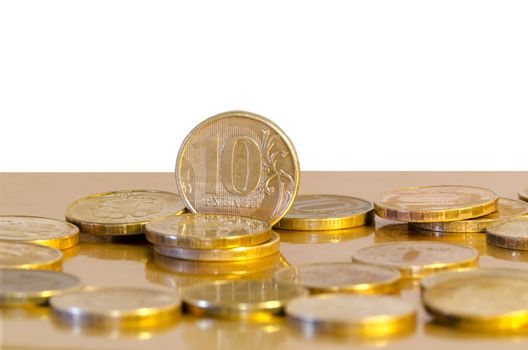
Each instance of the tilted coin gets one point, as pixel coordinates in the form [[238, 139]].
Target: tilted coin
[[116, 306], [18, 255], [418, 258], [510, 234], [508, 208], [33, 287], [341, 277], [251, 299], [238, 163], [326, 236], [33, 229], [436, 203], [494, 301], [326, 212], [365, 315], [124, 212], [207, 231], [523, 194], [231, 254]]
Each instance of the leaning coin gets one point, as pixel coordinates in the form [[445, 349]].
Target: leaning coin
[[116, 306], [436, 203], [18, 255], [416, 259], [33, 229], [510, 234], [346, 314], [124, 212], [523, 194], [341, 277], [238, 163], [508, 208], [326, 212], [33, 287], [207, 231]]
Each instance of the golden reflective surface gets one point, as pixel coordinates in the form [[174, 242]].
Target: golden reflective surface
[[130, 262]]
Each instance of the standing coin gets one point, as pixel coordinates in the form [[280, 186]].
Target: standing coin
[[51, 232], [510, 234], [124, 212], [524, 194], [436, 203], [326, 212], [17, 255], [238, 163]]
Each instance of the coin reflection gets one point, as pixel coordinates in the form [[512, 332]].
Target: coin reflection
[[330, 236], [507, 254], [136, 249], [436, 328]]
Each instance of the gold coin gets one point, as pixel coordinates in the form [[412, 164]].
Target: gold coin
[[124, 212], [523, 194], [510, 234], [238, 163], [341, 277], [207, 231], [253, 299], [326, 212], [240, 253], [18, 255], [346, 314], [33, 287], [32, 229], [490, 301], [508, 208], [436, 203], [416, 259], [119, 306]]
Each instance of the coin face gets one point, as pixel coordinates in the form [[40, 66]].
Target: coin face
[[436, 203], [54, 233], [18, 255], [417, 258], [511, 234], [208, 231], [326, 212], [122, 212], [340, 277], [238, 163]]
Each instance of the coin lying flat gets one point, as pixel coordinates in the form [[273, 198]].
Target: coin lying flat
[[436, 203], [366, 315], [18, 255], [326, 236], [232, 254], [238, 163], [508, 208], [510, 234], [124, 212], [119, 306], [208, 231], [491, 301], [523, 194], [341, 277], [251, 299], [326, 212], [418, 258], [32, 229], [33, 287]]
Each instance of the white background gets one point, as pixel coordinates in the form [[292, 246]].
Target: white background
[[357, 85]]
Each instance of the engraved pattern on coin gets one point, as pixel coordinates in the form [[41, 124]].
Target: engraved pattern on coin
[[25, 228], [517, 228], [29, 281], [308, 206]]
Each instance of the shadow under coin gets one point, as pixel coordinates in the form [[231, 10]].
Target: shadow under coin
[[507, 254], [444, 330], [330, 236], [135, 248]]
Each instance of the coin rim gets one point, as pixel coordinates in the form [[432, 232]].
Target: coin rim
[[53, 264]]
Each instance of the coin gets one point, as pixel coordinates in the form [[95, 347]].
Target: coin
[[32, 229], [207, 231], [124, 212], [365, 315], [510, 234], [253, 299], [232, 254], [508, 208], [33, 287], [494, 301], [341, 277], [327, 236], [18, 255], [116, 306], [436, 203], [416, 259], [238, 163], [523, 194], [326, 212]]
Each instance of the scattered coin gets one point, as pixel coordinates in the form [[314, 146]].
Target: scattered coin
[[523, 194], [510, 234], [238, 163], [436, 203], [18, 255]]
